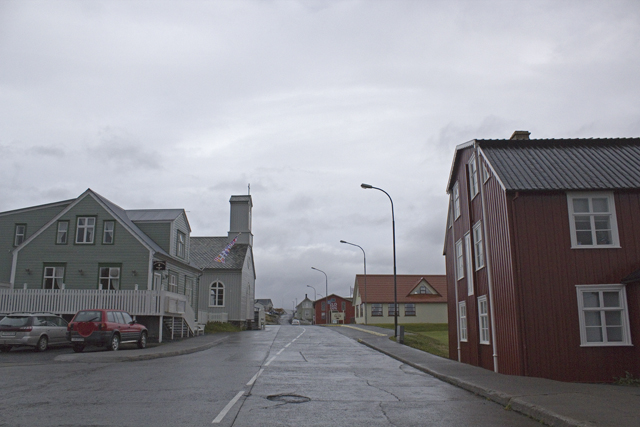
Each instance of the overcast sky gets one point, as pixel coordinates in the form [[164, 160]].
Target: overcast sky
[[182, 104]]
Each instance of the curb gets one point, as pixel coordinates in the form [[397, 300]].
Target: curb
[[120, 357], [508, 401]]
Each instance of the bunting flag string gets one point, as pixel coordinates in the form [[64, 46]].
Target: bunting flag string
[[221, 257]]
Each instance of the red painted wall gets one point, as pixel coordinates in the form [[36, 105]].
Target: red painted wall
[[350, 312]]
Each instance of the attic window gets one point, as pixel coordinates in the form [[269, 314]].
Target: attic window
[[425, 289]]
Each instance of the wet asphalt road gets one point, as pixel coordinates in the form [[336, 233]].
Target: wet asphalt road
[[282, 376]]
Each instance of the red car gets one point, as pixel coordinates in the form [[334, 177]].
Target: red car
[[105, 328]]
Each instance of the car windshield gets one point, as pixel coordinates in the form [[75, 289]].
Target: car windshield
[[14, 321], [88, 316]]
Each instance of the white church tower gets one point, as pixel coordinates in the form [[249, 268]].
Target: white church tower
[[240, 219]]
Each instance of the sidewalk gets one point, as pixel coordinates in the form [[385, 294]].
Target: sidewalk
[[154, 351], [552, 402]]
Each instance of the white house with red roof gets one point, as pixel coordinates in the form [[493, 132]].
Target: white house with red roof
[[422, 298]]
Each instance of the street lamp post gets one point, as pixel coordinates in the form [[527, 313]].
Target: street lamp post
[[395, 283], [365, 277], [326, 290], [314, 291]]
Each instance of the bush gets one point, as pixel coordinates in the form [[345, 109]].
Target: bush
[[628, 380], [213, 327]]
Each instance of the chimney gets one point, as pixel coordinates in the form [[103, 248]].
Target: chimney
[[520, 135], [305, 296]]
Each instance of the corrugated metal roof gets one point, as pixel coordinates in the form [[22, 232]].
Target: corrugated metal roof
[[204, 250], [565, 164], [380, 288]]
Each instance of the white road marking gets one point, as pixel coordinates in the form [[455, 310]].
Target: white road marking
[[278, 353], [270, 360], [255, 377], [287, 345], [227, 408]]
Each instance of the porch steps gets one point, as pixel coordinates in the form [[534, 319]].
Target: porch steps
[[177, 327]]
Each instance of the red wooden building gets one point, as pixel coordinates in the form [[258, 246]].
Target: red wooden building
[[339, 310], [543, 257]]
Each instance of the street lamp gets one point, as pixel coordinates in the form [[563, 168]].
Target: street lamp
[[395, 283], [326, 290], [314, 291], [365, 277]]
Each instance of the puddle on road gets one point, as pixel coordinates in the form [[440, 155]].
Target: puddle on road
[[288, 398]]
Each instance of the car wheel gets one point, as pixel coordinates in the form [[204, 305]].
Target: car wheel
[[5, 348], [142, 342], [77, 348], [42, 344], [114, 343]]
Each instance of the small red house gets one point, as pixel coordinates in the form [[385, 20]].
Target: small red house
[[338, 310], [542, 255]]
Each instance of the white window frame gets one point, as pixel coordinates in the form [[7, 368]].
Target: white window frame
[[613, 223], [108, 231], [456, 201], [20, 234], [485, 172], [112, 278], [86, 230], [483, 320], [468, 256], [218, 287], [478, 245], [602, 310], [173, 283], [62, 233], [459, 260], [377, 310], [181, 247], [473, 177], [54, 273], [462, 322]]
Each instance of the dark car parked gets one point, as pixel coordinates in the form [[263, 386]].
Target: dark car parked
[[38, 330], [105, 328]]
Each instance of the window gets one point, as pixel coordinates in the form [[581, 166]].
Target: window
[[108, 232], [459, 261], [478, 248], [604, 319], [456, 200], [485, 172], [173, 283], [109, 278], [423, 289], [53, 277], [469, 264], [462, 313], [376, 310], [410, 309], [393, 309], [592, 220], [20, 235], [216, 295], [180, 251], [323, 306], [344, 306], [62, 236], [188, 290], [483, 318], [85, 229], [473, 177]]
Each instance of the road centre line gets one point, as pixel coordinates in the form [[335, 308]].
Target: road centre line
[[270, 360], [278, 353], [255, 377], [227, 408]]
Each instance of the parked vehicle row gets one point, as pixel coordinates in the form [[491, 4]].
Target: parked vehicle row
[[101, 328]]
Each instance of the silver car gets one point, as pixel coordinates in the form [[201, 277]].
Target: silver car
[[38, 330]]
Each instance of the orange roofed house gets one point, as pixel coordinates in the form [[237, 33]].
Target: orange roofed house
[[421, 298]]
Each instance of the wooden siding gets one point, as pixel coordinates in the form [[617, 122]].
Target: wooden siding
[[35, 219], [549, 270], [159, 232], [126, 252]]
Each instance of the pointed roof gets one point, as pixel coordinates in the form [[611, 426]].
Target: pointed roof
[[380, 288]]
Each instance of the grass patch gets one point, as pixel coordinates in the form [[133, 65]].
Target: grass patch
[[213, 327], [430, 337], [628, 380]]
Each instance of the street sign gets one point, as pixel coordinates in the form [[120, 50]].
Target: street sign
[[159, 265]]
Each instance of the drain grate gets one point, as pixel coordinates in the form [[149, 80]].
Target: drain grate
[[288, 398]]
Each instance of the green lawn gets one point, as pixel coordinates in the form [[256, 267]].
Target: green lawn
[[213, 327], [430, 337]]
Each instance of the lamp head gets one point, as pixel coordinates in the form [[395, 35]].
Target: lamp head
[[342, 241], [366, 186]]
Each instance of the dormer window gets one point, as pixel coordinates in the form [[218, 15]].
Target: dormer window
[[182, 239]]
